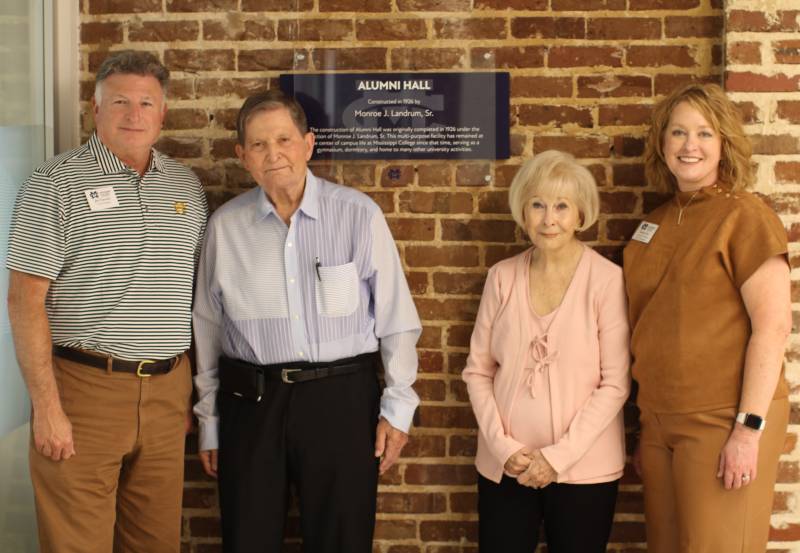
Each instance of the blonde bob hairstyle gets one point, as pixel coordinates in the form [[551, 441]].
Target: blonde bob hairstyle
[[558, 174], [735, 169]]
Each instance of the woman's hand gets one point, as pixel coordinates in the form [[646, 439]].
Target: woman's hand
[[539, 473], [518, 462], [738, 460]]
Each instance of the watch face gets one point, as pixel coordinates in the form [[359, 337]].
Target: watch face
[[753, 421]]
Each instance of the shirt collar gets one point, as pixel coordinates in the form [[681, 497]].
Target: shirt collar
[[309, 205], [110, 164]]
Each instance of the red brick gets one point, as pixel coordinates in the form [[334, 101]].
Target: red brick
[[587, 5], [412, 229], [204, 527], [787, 51], [508, 57], [223, 148], [473, 174], [432, 475], [431, 336], [744, 52], [660, 56], [478, 230], [620, 229], [236, 87], [452, 531], [435, 202], [124, 6], [447, 310], [315, 29], [430, 390], [470, 28], [181, 148], [277, 5], [630, 174], [614, 86], [628, 532], [461, 502], [355, 5], [407, 502], [236, 29], [163, 31], [433, 256], [623, 28], [504, 174], [663, 4], [787, 531], [185, 118], [581, 147], [618, 202], [456, 363], [693, 26], [427, 58], [458, 283], [762, 21], [395, 529], [548, 27], [536, 114], [462, 446], [94, 32], [201, 5], [787, 172], [753, 82], [666, 83], [625, 115], [458, 388], [628, 146], [521, 5], [199, 60], [493, 202], [789, 110], [384, 199], [434, 175], [430, 361], [393, 29], [459, 335], [584, 56], [775, 144], [225, 118], [275, 59], [349, 58], [425, 445], [749, 112], [199, 498], [651, 200], [541, 87]]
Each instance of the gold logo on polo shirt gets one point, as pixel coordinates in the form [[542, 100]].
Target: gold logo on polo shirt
[[180, 207]]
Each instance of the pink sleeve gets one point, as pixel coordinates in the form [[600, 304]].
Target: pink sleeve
[[479, 373], [605, 402]]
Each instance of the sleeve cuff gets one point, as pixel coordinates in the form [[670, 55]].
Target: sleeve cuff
[[209, 434]]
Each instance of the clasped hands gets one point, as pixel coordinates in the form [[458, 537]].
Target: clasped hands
[[530, 468]]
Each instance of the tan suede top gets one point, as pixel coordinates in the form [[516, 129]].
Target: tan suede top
[[689, 324]]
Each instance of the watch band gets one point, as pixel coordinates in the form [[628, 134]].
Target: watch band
[[751, 421]]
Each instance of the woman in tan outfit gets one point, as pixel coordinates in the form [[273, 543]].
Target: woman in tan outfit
[[708, 288]]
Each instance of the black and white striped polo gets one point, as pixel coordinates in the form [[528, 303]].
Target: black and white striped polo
[[120, 249]]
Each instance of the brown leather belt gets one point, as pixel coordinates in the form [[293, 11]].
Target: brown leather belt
[[143, 368]]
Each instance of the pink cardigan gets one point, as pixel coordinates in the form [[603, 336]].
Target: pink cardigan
[[587, 367]]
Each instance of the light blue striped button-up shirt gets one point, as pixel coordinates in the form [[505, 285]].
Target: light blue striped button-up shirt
[[327, 286]]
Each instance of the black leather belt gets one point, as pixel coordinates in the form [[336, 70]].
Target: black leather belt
[[143, 368], [305, 371]]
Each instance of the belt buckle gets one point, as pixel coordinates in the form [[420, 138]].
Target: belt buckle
[[143, 362], [285, 375]]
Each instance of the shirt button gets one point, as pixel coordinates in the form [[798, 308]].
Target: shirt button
[[296, 317], [300, 353], [291, 281], [289, 245]]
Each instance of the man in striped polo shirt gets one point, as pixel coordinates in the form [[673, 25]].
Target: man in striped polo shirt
[[300, 296], [103, 247]]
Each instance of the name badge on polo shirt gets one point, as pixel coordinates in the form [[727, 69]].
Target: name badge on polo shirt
[[645, 231], [101, 198]]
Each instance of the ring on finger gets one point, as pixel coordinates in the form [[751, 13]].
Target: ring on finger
[[745, 478]]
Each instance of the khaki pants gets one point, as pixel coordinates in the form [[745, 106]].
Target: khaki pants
[[687, 508], [122, 489]]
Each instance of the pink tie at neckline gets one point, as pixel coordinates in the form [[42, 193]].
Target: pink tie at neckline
[[542, 359]]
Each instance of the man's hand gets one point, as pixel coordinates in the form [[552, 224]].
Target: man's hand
[[389, 442], [209, 460], [539, 473], [52, 433]]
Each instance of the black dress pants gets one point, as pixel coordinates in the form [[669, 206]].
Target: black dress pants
[[577, 517], [318, 436]]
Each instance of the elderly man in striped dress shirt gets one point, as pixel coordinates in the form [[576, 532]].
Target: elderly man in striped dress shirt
[[104, 242], [300, 296]]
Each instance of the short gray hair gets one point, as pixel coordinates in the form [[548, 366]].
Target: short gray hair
[[131, 62], [267, 101]]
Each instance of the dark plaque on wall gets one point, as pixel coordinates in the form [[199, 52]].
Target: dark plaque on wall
[[405, 115]]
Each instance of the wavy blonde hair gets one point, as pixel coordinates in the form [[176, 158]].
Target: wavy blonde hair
[[559, 174], [735, 169]]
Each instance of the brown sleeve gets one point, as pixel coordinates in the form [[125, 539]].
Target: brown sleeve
[[756, 234]]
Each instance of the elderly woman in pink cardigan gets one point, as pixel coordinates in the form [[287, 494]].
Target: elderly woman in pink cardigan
[[548, 373]]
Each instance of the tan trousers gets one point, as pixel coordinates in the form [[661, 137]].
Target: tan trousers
[[122, 489], [687, 508]]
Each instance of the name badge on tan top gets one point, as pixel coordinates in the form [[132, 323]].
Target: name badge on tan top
[[101, 198], [645, 231]]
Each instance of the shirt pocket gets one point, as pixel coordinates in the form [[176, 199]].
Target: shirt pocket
[[337, 290]]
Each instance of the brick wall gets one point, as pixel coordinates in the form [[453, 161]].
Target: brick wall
[[584, 75]]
